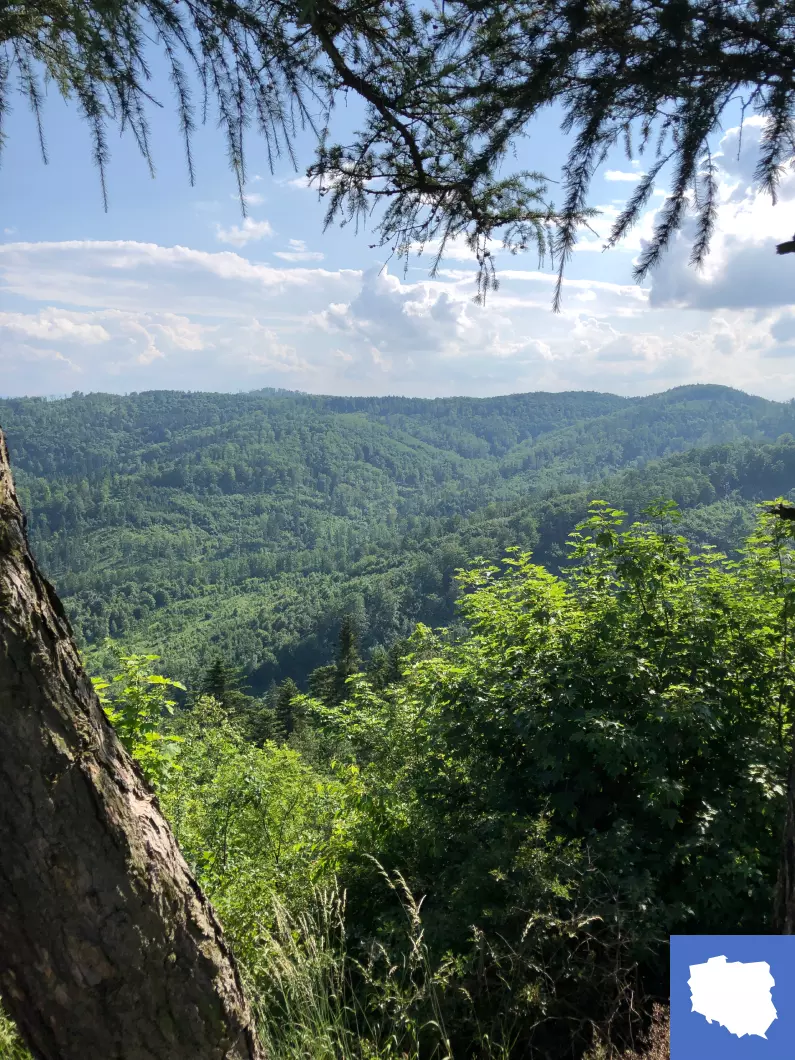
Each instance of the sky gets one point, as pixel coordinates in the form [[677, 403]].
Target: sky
[[172, 289]]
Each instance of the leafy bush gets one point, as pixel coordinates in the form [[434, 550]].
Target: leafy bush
[[599, 763], [253, 822], [136, 703]]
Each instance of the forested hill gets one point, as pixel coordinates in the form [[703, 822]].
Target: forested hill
[[193, 523]]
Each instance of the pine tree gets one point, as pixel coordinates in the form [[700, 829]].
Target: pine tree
[[223, 682], [263, 718], [285, 714], [348, 660]]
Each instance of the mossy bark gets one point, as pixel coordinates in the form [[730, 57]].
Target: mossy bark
[[108, 948]]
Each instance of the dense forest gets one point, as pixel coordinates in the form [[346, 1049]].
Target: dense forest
[[457, 709], [248, 525]]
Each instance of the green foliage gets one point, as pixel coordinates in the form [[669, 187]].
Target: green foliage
[[287, 719], [136, 702], [586, 763], [248, 526], [604, 750], [309, 996], [348, 660], [254, 822], [11, 1045], [222, 682], [582, 749]]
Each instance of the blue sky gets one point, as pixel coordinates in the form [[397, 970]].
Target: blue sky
[[171, 289]]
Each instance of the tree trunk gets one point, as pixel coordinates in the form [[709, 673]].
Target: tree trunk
[[108, 948]]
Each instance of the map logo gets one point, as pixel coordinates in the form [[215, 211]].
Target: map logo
[[731, 996]]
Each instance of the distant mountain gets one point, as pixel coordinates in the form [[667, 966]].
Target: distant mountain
[[193, 523]]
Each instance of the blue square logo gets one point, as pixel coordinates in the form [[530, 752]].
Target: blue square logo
[[732, 996]]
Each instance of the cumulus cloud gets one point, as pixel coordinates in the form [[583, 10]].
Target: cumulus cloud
[[429, 336], [53, 324], [259, 348], [301, 181], [455, 249], [742, 269], [132, 316], [400, 320], [251, 198], [240, 235], [104, 341], [785, 351], [783, 328], [128, 350]]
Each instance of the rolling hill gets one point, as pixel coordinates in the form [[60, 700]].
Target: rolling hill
[[194, 524]]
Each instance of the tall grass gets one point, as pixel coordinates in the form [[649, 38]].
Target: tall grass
[[317, 998], [314, 998]]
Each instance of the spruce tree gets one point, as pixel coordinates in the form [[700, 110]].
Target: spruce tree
[[222, 681], [321, 683], [285, 714], [263, 718], [348, 660], [384, 667]]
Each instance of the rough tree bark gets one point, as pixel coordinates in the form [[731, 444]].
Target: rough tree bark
[[108, 948]]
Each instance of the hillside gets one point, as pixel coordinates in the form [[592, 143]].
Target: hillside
[[190, 523]]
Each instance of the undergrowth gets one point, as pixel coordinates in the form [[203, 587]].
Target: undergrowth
[[317, 997]]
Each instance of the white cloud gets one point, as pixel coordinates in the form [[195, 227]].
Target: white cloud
[[23, 359], [105, 340], [742, 269], [131, 350], [298, 252], [301, 181], [455, 249], [622, 175], [251, 198], [404, 319], [240, 235], [133, 316], [146, 277], [429, 337], [52, 325], [783, 328]]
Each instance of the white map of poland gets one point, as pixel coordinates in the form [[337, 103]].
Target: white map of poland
[[734, 994]]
